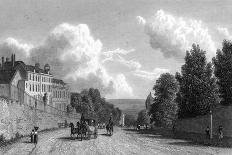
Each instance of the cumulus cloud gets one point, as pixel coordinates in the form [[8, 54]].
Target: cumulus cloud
[[224, 32], [75, 56], [141, 20], [11, 45], [174, 35], [123, 90]]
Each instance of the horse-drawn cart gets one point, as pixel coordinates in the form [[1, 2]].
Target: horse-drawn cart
[[86, 128], [91, 124]]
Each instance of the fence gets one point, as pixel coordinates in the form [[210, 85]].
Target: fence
[[36, 103]]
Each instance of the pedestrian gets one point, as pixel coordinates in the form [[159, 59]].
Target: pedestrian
[[36, 136], [32, 135], [220, 133], [207, 133]]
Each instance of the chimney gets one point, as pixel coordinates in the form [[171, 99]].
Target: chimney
[[12, 60], [3, 62]]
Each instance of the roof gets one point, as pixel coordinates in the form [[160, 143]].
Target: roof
[[58, 81], [6, 76], [8, 66]]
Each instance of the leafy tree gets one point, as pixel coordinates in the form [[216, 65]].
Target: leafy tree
[[164, 109], [129, 120], [90, 102], [143, 118], [223, 71], [198, 87]]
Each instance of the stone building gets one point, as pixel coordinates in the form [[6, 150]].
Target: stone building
[[26, 82], [149, 101], [60, 94]]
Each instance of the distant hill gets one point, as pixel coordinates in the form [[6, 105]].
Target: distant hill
[[129, 106]]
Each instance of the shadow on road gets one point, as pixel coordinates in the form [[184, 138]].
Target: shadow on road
[[69, 138], [27, 142], [182, 139], [105, 134]]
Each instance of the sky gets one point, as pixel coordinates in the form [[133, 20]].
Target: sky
[[120, 47]]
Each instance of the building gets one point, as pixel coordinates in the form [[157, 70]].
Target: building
[[60, 94], [10, 79], [149, 101], [32, 83]]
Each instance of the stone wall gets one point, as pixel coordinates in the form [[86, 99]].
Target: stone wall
[[21, 118], [222, 115]]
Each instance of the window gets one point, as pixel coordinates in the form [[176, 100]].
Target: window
[[26, 85], [33, 88], [30, 87]]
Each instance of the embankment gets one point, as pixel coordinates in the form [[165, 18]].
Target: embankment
[[222, 115], [20, 119]]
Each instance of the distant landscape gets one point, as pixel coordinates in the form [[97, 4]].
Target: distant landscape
[[129, 106]]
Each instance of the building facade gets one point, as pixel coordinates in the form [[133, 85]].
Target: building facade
[[32, 81], [149, 101], [60, 94]]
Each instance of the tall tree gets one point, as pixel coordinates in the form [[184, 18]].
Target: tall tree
[[198, 87], [130, 120], [223, 71], [90, 103], [164, 109], [143, 118]]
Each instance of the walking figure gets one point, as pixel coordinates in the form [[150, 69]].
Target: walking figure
[[207, 133], [36, 135], [220, 133], [32, 135], [45, 100]]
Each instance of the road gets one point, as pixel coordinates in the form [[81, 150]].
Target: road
[[124, 142]]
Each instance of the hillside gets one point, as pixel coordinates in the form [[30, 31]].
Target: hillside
[[129, 106]]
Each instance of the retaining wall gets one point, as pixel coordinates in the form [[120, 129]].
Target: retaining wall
[[21, 118], [222, 115]]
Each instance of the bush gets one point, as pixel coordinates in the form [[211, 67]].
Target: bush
[[2, 138]]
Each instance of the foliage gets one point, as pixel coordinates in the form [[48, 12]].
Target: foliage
[[223, 71], [2, 138], [164, 109], [90, 102], [198, 89], [143, 118], [69, 108], [129, 120]]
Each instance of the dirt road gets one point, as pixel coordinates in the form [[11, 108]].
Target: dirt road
[[124, 142]]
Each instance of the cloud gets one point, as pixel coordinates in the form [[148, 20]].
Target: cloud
[[124, 90], [133, 66], [141, 20], [76, 57], [224, 32], [11, 45], [155, 73], [174, 35]]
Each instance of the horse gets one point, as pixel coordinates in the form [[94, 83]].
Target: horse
[[79, 130], [73, 130], [109, 128]]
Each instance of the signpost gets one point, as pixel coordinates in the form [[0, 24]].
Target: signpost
[[211, 122]]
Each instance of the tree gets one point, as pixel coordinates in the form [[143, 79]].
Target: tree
[[143, 118], [164, 109], [129, 120], [90, 102], [198, 89], [223, 71]]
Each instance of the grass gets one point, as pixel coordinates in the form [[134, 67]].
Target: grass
[[5, 142]]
